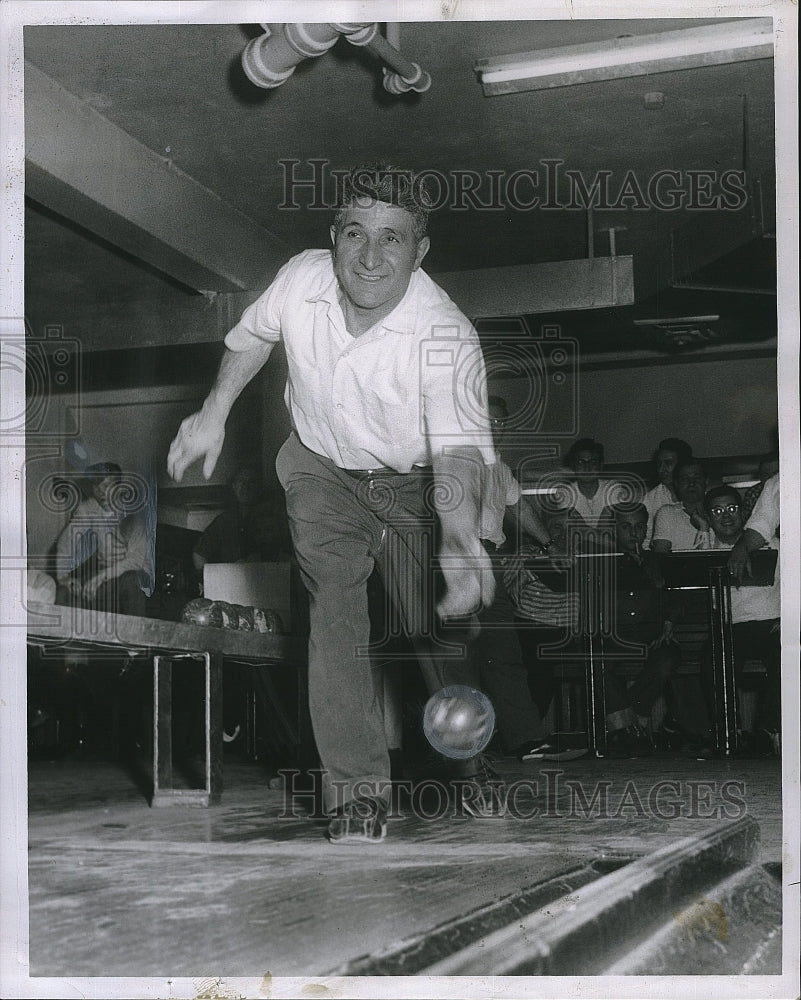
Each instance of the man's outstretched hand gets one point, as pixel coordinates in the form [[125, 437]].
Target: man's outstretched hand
[[200, 435]]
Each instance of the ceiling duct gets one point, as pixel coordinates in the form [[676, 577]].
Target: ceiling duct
[[270, 60]]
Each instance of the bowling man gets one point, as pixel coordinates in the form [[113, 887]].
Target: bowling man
[[387, 396]]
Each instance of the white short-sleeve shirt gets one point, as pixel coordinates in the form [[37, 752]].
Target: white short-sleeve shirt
[[406, 390]]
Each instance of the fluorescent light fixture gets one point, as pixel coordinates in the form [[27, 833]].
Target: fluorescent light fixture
[[685, 48]]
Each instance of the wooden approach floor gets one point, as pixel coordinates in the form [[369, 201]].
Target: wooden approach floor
[[121, 889]]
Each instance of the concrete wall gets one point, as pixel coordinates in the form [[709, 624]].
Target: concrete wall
[[724, 407], [133, 427]]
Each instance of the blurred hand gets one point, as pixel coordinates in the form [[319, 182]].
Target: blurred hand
[[89, 589], [200, 435], [739, 564], [666, 637], [699, 521], [469, 580]]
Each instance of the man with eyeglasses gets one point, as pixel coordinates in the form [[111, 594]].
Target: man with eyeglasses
[[755, 613], [682, 526]]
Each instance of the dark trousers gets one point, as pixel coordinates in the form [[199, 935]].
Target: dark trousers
[[342, 528], [547, 650], [757, 640], [655, 677]]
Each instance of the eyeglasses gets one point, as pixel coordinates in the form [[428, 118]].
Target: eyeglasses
[[730, 508]]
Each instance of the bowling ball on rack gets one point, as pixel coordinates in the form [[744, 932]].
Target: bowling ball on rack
[[201, 611], [267, 621], [228, 614], [245, 616]]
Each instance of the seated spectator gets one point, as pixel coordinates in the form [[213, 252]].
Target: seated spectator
[[497, 652], [682, 526], [761, 528], [755, 611], [644, 617], [232, 535], [105, 555], [546, 611], [105, 561], [670, 453], [589, 494]]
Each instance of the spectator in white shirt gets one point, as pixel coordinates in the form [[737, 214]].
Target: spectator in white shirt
[[588, 492], [755, 614], [668, 455], [105, 555], [682, 526], [762, 526]]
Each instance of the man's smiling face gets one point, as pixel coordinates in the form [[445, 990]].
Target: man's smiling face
[[375, 254]]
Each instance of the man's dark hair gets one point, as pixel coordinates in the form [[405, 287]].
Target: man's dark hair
[[102, 470], [683, 451], [685, 463], [720, 491], [585, 444], [394, 185]]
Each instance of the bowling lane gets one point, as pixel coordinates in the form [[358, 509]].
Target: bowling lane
[[238, 891]]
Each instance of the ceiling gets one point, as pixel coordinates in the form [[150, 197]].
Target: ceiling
[[180, 91]]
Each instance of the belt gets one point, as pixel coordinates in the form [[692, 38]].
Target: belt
[[382, 472]]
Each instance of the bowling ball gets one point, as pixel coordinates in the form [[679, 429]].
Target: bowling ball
[[265, 620], [245, 616], [228, 614], [201, 611], [459, 721]]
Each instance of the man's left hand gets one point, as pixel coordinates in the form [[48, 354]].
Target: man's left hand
[[90, 588]]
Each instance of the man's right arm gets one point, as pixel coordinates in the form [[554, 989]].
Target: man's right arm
[[739, 563], [759, 529], [201, 435]]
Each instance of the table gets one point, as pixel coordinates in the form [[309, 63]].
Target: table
[[706, 569], [55, 626], [592, 576]]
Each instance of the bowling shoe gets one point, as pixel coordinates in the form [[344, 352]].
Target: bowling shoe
[[546, 750], [359, 821], [482, 792], [631, 741]]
